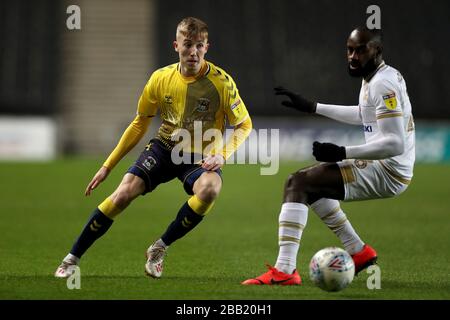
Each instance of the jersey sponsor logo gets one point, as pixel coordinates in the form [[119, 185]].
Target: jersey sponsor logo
[[203, 104], [390, 101], [368, 128]]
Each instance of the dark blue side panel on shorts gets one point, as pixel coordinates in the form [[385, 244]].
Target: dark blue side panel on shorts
[[155, 166]]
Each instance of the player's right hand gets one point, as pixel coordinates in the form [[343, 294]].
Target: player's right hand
[[296, 100], [99, 177], [213, 162]]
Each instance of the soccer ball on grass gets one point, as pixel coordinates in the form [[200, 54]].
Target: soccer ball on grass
[[332, 269]]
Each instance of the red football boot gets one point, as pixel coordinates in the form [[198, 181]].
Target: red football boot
[[366, 257], [275, 277]]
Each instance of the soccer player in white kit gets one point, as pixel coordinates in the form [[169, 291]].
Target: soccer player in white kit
[[382, 167]]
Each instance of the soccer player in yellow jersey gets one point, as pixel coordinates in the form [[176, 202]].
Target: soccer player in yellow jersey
[[190, 92]]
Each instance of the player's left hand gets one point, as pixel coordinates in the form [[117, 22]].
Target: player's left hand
[[296, 100], [328, 152], [213, 162]]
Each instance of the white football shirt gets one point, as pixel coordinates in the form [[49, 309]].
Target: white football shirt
[[384, 96]]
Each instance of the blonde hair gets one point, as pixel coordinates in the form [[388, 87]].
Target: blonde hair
[[191, 27]]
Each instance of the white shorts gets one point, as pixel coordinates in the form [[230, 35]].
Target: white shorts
[[370, 179]]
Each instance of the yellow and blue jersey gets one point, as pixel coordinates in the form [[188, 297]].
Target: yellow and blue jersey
[[210, 97]]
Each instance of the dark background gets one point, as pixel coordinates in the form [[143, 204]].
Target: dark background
[[299, 44], [29, 56], [302, 45]]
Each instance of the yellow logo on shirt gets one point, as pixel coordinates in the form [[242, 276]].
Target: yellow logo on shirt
[[390, 101]]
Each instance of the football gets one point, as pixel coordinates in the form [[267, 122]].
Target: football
[[332, 269]]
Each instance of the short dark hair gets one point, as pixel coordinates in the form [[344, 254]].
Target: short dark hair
[[376, 35]]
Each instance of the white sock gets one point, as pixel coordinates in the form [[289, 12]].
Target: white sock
[[71, 257], [332, 215], [292, 221]]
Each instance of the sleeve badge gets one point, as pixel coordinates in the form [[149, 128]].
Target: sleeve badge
[[234, 107], [390, 101]]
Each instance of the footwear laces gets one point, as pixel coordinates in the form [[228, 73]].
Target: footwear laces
[[67, 264], [156, 254]]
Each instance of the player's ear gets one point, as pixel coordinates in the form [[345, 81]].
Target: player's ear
[[379, 49], [175, 45]]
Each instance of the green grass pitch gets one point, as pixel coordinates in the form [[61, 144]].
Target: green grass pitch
[[42, 210]]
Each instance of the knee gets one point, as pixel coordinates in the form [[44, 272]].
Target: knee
[[296, 181], [295, 189], [209, 188], [123, 196]]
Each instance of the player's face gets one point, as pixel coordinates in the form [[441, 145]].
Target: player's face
[[191, 52], [361, 55]]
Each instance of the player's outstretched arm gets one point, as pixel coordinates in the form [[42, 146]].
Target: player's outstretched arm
[[346, 114], [99, 177], [129, 139]]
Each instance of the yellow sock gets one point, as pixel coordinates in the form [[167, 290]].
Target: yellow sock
[[199, 206], [109, 209]]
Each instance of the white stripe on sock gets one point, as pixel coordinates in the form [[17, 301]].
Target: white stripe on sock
[[332, 215]]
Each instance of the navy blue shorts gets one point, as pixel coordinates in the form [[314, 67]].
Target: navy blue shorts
[[155, 166]]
